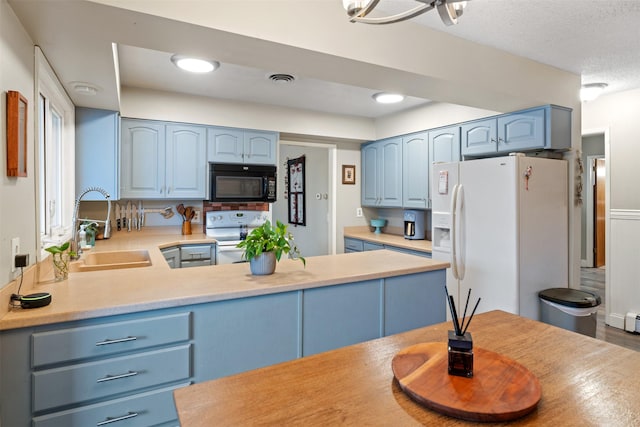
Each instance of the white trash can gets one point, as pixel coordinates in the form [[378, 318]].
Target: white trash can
[[570, 309]]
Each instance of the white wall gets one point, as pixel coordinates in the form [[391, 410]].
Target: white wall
[[17, 195], [148, 104], [618, 114]]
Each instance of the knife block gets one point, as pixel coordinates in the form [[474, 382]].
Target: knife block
[[186, 227]]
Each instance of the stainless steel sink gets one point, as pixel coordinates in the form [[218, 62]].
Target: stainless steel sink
[[95, 261]]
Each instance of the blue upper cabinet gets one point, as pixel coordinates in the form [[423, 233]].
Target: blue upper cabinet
[[479, 137], [97, 152], [521, 131], [161, 161], [540, 128], [415, 171], [227, 145], [382, 173], [444, 145]]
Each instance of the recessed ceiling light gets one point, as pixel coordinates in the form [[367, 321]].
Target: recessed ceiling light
[[591, 91], [194, 65], [84, 88], [388, 98]]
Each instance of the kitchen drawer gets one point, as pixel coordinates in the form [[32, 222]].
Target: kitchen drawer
[[353, 245], [84, 382], [74, 344], [141, 410], [196, 252], [368, 246], [198, 263], [408, 251]]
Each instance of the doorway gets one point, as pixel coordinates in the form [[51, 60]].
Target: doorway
[[593, 208], [316, 237]]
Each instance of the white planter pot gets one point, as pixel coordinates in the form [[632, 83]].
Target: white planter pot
[[263, 264]]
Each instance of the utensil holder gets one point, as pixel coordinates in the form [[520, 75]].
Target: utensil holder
[[460, 354], [186, 227]]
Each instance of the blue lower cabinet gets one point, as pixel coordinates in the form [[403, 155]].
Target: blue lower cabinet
[[238, 335], [414, 301], [145, 409], [337, 316]]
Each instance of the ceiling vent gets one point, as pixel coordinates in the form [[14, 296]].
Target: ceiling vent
[[282, 78]]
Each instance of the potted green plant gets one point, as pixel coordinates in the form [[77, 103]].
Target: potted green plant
[[60, 258], [265, 245]]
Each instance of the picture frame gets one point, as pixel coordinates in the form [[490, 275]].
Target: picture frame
[[296, 180], [17, 107], [349, 174]]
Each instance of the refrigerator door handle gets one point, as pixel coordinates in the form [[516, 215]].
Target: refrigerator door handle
[[459, 233], [454, 248]]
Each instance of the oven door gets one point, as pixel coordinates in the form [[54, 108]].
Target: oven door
[[227, 253]]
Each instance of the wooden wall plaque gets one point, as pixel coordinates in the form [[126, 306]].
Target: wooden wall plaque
[[17, 106]]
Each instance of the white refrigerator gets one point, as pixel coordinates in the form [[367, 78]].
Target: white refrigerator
[[502, 223]]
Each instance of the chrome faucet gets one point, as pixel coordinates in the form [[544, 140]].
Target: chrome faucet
[[76, 251]]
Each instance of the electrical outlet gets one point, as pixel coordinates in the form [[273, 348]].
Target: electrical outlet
[[15, 250], [196, 218], [358, 212]]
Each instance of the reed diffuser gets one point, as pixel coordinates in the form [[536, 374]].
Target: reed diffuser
[[460, 341]]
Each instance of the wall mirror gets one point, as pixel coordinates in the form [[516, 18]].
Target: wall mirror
[[16, 134]]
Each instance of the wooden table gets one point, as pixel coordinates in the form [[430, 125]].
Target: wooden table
[[584, 382]]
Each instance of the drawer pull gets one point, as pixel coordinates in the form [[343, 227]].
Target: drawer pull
[[117, 377], [110, 420], [116, 341]]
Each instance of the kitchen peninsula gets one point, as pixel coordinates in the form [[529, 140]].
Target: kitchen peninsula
[[136, 334], [584, 382]]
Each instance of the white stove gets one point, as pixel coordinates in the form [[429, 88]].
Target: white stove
[[231, 227]]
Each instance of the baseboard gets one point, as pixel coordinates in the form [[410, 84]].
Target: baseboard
[[616, 320]]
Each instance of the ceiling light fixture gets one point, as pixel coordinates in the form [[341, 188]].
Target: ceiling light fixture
[[591, 91], [388, 98], [84, 88], [449, 10], [194, 65]]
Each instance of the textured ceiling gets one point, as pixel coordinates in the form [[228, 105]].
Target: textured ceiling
[[597, 39]]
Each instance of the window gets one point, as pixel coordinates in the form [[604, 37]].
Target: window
[[56, 156]]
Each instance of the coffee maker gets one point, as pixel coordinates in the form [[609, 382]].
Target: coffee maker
[[414, 225]]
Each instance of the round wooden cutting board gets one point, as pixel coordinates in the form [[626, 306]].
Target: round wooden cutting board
[[500, 390]]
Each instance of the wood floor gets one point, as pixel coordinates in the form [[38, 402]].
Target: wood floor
[[592, 280]]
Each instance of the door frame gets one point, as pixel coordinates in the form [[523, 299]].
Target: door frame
[[607, 220], [591, 182], [332, 185]]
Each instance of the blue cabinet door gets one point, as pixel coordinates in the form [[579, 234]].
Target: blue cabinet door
[[238, 335], [479, 137], [370, 154], [260, 147], [224, 145], [521, 131], [415, 171], [142, 159], [414, 301], [444, 145], [336, 316], [185, 169], [390, 171]]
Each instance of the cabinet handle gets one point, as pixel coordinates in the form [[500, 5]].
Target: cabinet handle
[[117, 377], [110, 420], [169, 190], [493, 140], [116, 341]]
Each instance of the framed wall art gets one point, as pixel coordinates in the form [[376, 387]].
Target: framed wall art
[[296, 190], [349, 174], [17, 106]]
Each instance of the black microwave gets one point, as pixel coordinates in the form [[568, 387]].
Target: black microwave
[[230, 182]]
